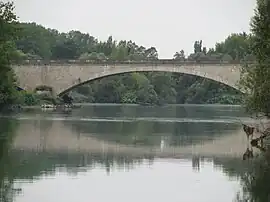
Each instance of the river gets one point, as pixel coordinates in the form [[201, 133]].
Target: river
[[123, 153]]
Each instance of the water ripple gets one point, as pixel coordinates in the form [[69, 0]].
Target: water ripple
[[128, 119]]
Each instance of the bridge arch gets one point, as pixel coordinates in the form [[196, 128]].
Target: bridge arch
[[223, 74], [65, 76]]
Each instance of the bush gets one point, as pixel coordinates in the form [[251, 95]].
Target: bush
[[28, 99]]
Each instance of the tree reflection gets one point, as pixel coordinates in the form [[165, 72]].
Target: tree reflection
[[7, 131], [29, 165], [150, 133], [196, 163], [256, 179], [254, 175]]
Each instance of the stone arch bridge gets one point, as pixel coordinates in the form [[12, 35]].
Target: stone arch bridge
[[64, 76]]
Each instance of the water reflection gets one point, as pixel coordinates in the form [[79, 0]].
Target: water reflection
[[51, 154], [133, 112], [151, 132], [75, 137], [144, 183], [196, 163], [7, 130], [49, 163]]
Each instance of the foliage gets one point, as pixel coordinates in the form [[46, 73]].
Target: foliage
[[156, 88], [8, 93], [256, 78], [7, 133], [27, 98], [255, 180], [32, 99], [256, 81], [36, 40]]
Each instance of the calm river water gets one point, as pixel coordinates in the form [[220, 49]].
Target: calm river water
[[119, 153]]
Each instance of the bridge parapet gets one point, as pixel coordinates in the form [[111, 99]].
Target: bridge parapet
[[125, 62]]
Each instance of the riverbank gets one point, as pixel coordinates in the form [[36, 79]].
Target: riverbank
[[127, 104]]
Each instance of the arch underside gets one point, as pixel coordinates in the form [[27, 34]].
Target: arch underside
[[221, 80]]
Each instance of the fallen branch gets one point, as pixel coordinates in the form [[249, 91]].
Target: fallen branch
[[255, 141], [264, 134]]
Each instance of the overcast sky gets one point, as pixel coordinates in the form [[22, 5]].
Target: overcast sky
[[169, 25]]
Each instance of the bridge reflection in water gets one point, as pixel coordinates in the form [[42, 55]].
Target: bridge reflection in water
[[57, 136]]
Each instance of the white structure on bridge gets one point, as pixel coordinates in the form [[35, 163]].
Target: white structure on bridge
[[63, 77]]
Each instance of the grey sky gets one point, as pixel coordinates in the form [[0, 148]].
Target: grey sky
[[169, 25]]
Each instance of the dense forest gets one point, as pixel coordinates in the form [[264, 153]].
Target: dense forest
[[36, 42]]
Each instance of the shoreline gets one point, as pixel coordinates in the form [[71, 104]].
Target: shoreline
[[127, 104]]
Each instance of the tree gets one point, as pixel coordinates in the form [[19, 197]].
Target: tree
[[256, 78], [256, 179], [8, 33], [67, 49], [204, 50], [7, 133], [235, 45], [179, 55], [151, 53], [35, 39], [198, 46]]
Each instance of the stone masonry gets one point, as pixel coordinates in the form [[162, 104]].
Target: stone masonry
[[66, 76]]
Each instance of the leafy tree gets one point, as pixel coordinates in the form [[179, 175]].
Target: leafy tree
[[8, 33], [179, 55], [7, 134], [198, 46], [204, 50], [36, 40], [67, 49], [151, 53], [256, 78], [235, 45]]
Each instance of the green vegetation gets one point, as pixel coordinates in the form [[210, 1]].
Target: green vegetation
[[256, 180], [256, 77], [7, 132], [8, 92], [37, 42], [31, 99], [156, 88]]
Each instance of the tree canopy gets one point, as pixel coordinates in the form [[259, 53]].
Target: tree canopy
[[256, 76], [8, 34]]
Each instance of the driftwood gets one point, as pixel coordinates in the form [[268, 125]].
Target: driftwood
[[254, 142], [262, 149], [248, 154], [249, 130]]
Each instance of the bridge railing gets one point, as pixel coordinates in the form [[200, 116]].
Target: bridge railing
[[115, 62]]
